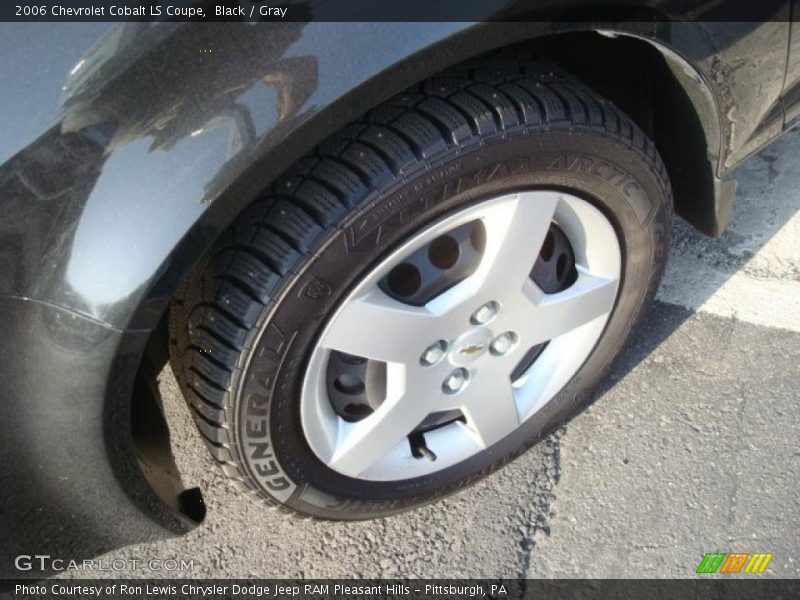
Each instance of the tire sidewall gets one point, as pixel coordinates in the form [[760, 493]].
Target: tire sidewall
[[266, 389]]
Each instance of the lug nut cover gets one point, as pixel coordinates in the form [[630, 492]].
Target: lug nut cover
[[456, 381], [433, 353], [485, 313], [503, 343]]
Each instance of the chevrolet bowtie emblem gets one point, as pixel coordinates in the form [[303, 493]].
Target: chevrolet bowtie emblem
[[471, 349]]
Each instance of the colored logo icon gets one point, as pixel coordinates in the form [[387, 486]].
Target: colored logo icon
[[734, 562]]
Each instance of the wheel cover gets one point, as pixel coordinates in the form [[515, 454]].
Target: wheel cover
[[460, 352]]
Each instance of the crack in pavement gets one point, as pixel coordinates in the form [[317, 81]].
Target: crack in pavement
[[690, 450], [538, 521]]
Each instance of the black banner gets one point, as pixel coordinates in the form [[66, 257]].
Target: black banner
[[404, 589], [395, 10]]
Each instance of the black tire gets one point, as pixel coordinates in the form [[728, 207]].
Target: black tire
[[246, 319]]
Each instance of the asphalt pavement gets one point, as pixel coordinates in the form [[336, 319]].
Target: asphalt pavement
[[691, 446]]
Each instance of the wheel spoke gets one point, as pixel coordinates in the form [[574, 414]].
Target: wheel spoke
[[515, 231], [551, 315], [376, 326], [490, 407], [359, 445]]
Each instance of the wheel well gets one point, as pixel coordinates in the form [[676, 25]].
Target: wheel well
[[636, 77], [150, 438]]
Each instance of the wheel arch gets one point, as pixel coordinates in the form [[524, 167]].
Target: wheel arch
[[673, 103]]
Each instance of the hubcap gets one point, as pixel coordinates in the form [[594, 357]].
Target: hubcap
[[460, 336]]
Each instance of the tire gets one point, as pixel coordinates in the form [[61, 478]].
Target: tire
[[245, 323]]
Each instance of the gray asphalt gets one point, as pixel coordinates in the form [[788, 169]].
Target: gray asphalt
[[693, 449], [691, 446]]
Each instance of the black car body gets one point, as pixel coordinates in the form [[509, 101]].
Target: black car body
[[127, 148]]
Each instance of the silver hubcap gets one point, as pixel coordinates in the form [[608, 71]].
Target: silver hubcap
[[461, 351]]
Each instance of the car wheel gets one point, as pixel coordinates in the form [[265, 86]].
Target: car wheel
[[428, 294]]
